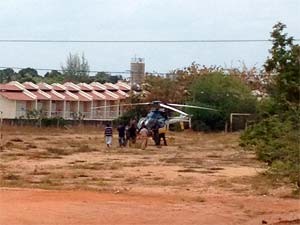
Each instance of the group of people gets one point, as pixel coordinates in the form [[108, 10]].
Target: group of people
[[129, 134]]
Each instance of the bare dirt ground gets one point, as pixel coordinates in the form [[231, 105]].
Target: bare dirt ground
[[54, 176]]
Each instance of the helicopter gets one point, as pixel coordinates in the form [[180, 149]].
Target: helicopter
[[158, 117]]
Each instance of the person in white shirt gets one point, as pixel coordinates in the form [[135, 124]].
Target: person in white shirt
[[144, 137]]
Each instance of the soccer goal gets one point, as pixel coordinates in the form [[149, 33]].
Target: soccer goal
[[239, 121]]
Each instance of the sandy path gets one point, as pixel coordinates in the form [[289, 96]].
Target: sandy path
[[29, 207]]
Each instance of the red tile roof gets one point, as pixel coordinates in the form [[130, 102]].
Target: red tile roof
[[124, 94], [30, 87], [54, 97], [96, 95], [68, 92], [70, 88], [123, 86], [97, 88], [81, 97], [13, 95], [39, 95], [10, 87], [111, 87], [84, 88], [69, 96], [110, 96], [58, 88], [120, 96], [44, 87]]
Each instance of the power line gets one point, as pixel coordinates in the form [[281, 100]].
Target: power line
[[138, 41], [60, 70], [127, 72]]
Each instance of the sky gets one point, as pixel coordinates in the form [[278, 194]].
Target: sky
[[142, 20]]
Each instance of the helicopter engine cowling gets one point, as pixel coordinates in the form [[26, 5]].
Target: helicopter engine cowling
[[154, 118]]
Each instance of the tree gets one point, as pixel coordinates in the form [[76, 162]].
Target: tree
[[76, 68], [185, 78], [7, 75], [284, 64], [223, 92], [53, 76], [104, 77], [163, 89], [275, 137], [28, 74]]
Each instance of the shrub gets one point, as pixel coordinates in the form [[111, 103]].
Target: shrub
[[275, 138], [276, 141], [223, 92], [56, 121]]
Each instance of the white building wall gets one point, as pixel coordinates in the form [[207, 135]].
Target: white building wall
[[8, 107], [21, 109]]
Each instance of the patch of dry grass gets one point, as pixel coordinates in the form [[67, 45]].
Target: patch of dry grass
[[59, 151], [161, 181], [41, 139], [201, 155], [42, 155], [199, 199], [16, 140], [11, 179], [85, 148], [188, 170], [90, 166], [8, 145]]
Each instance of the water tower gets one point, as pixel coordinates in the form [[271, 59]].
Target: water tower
[[137, 71]]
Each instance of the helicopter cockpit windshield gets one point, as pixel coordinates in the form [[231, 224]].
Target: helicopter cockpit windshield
[[153, 118]]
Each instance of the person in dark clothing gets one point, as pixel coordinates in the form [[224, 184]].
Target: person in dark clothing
[[156, 138], [121, 130], [132, 135], [162, 134], [127, 135]]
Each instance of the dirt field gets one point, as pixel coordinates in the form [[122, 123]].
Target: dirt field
[[51, 176]]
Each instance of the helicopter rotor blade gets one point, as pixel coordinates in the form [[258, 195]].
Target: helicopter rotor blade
[[129, 104], [192, 106], [173, 109]]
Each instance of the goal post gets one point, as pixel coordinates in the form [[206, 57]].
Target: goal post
[[240, 119]]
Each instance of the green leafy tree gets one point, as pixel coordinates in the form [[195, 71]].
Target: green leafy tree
[[225, 93], [28, 74], [275, 137], [7, 75], [104, 77], [53, 76], [284, 64], [101, 77], [184, 78]]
